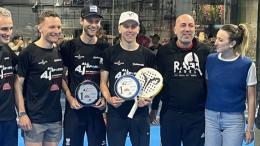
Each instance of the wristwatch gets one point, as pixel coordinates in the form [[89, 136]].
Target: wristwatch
[[20, 114]]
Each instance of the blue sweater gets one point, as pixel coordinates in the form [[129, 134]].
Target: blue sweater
[[227, 83]]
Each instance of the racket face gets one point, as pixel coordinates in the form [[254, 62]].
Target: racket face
[[87, 93], [127, 87], [151, 82]]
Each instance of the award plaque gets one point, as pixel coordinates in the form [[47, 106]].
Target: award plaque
[[127, 87], [87, 93]]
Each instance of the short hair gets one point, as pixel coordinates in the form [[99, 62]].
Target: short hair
[[47, 14], [5, 12]]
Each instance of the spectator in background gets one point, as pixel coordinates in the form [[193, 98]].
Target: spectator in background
[[155, 43], [141, 38], [16, 44]]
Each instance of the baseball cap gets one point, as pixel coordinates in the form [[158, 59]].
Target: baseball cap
[[90, 11], [129, 15]]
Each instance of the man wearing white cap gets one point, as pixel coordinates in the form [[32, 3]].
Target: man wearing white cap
[[125, 58], [82, 56]]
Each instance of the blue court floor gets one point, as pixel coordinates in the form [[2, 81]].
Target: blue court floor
[[155, 138]]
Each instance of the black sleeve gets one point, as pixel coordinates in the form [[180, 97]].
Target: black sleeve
[[66, 52], [23, 63]]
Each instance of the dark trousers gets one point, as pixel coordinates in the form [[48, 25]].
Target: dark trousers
[[138, 128], [8, 133], [177, 127], [77, 124]]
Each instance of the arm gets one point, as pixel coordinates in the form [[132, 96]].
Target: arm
[[24, 120], [115, 101], [74, 104], [251, 91]]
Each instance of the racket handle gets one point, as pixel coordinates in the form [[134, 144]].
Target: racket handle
[[133, 110]]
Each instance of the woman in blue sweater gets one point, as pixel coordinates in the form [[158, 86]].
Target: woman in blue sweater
[[231, 79]]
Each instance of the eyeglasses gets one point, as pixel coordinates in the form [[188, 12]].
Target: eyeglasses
[[93, 21], [132, 26]]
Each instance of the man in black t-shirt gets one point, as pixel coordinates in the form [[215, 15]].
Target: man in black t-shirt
[[82, 57], [125, 58], [8, 60], [182, 64], [38, 85]]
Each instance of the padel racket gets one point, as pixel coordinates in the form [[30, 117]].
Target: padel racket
[[151, 83], [87, 93], [127, 87]]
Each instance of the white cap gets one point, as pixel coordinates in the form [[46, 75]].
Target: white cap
[[129, 15]]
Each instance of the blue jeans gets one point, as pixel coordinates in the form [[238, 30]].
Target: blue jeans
[[224, 129]]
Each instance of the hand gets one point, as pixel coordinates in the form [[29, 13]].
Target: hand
[[25, 123], [20, 43], [100, 104], [74, 104], [115, 101], [249, 136], [153, 115], [143, 102]]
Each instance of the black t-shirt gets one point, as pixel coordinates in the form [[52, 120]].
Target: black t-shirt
[[83, 62], [42, 69], [8, 62], [119, 62], [183, 71]]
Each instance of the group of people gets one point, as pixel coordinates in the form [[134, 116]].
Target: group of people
[[203, 98]]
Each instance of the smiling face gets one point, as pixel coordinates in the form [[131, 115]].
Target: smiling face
[[129, 30], [50, 29], [222, 42], [91, 25], [185, 29], [6, 29]]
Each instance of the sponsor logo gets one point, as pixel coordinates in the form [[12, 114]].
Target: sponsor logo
[[57, 60], [79, 56], [138, 64], [43, 62], [6, 58], [189, 67], [119, 62], [6, 86], [54, 87]]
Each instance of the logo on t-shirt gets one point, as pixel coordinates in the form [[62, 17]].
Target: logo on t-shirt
[[6, 86], [119, 63], [54, 87], [82, 69], [189, 67], [43, 62], [5, 71], [79, 57], [48, 74], [138, 64]]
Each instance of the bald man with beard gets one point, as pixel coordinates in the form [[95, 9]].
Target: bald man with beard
[[182, 64]]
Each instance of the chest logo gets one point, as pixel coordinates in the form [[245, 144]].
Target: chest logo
[[119, 63]]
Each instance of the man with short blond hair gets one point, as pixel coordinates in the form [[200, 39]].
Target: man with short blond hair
[[8, 60], [38, 85]]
